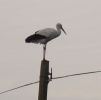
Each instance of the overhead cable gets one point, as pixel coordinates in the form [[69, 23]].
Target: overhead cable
[[76, 74], [66, 76], [19, 87]]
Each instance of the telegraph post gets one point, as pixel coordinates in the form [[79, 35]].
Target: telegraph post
[[44, 79]]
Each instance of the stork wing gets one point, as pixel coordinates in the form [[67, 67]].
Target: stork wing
[[34, 38], [46, 32]]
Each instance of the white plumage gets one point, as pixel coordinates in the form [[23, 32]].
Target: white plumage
[[44, 36]]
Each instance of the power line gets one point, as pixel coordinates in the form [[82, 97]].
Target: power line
[[76, 74], [66, 76], [19, 87]]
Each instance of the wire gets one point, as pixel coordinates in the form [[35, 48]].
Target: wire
[[66, 76], [76, 74], [19, 87]]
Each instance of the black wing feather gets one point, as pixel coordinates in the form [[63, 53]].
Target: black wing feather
[[34, 38]]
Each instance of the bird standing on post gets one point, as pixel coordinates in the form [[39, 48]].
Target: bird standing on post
[[44, 36]]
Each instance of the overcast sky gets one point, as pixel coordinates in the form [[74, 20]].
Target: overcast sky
[[79, 51]]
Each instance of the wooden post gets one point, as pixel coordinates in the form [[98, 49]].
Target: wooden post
[[44, 80]]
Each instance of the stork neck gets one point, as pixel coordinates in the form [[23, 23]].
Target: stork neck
[[59, 31]]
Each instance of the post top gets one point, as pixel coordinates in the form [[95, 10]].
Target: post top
[[44, 60]]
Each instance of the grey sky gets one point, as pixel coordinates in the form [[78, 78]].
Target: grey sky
[[79, 51]]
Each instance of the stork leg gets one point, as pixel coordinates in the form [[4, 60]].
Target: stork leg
[[44, 51]]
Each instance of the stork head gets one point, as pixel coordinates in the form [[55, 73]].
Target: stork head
[[59, 26]]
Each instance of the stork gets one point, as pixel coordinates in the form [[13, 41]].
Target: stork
[[44, 36]]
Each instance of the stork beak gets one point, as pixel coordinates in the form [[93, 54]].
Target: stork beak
[[64, 31]]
